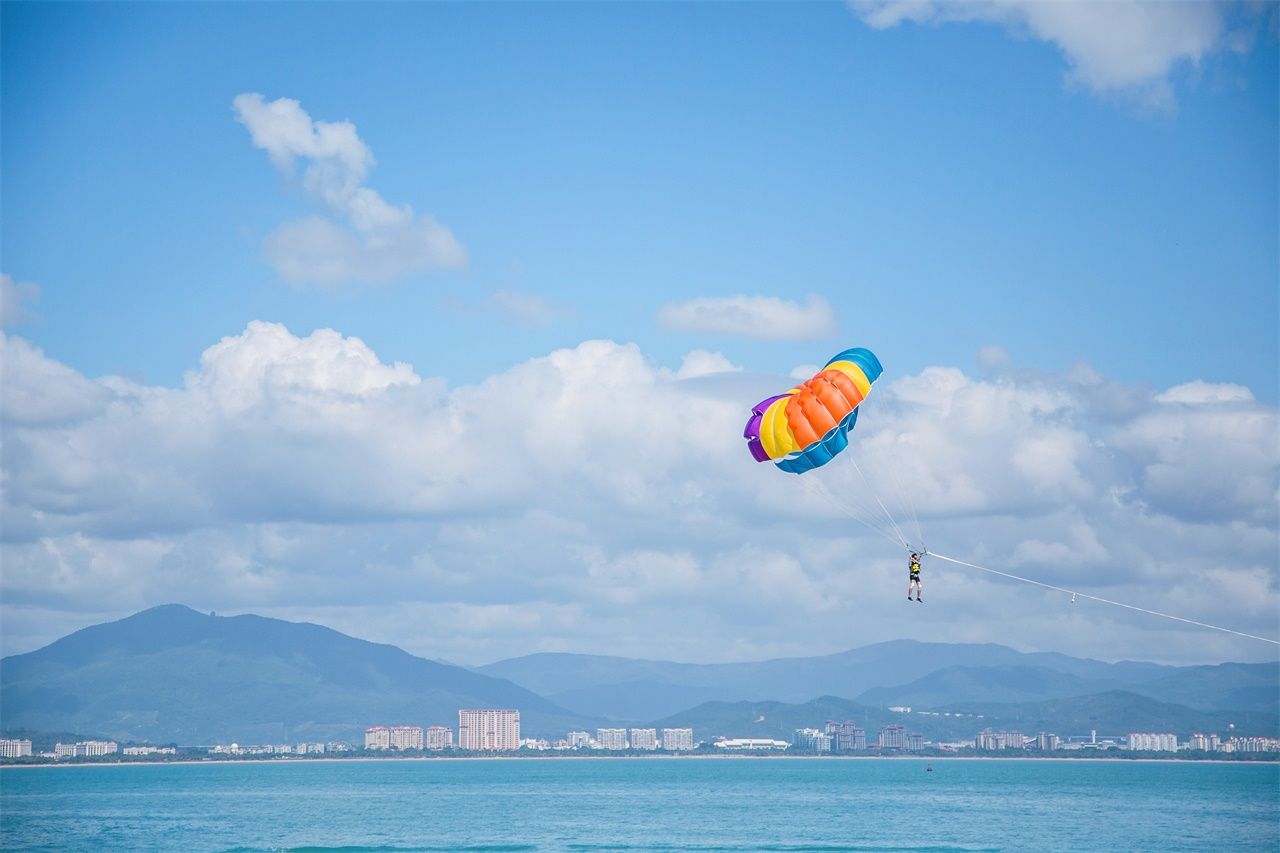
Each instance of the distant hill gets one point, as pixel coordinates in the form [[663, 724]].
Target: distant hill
[[171, 674], [953, 684], [1236, 686], [1113, 713], [615, 687]]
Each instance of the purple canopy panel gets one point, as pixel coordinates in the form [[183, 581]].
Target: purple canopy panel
[[752, 431]]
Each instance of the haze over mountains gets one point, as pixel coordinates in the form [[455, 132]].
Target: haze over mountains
[[898, 672], [171, 674]]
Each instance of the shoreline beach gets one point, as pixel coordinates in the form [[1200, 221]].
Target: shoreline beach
[[423, 758]]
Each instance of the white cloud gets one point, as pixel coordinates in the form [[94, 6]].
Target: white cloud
[[1205, 392], [266, 359], [377, 241], [15, 296], [760, 317], [1125, 47], [592, 500], [700, 362], [38, 390]]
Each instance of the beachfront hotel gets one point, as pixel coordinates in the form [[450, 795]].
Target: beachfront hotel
[[14, 748], [489, 729], [677, 740], [393, 737], [439, 737]]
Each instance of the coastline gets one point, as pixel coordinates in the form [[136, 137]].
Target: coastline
[[422, 758]]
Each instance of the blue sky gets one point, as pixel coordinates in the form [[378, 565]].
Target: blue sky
[[944, 187], [438, 323]]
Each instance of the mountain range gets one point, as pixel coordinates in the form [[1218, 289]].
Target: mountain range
[[172, 674], [898, 672]]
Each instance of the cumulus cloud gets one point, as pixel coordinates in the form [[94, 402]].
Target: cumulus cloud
[[1113, 47], [362, 237], [700, 362], [592, 500], [760, 317], [15, 299]]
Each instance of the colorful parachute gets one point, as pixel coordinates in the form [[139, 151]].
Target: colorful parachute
[[807, 426]]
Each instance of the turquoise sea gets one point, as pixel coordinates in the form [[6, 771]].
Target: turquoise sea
[[644, 804]]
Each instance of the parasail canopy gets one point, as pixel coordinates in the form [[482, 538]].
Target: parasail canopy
[[808, 426]]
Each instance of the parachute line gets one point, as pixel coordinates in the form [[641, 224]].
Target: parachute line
[[1074, 593], [896, 529], [904, 495], [864, 518]]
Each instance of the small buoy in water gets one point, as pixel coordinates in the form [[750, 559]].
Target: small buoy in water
[[929, 769]]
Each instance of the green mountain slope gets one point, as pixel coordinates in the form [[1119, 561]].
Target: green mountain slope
[[172, 674]]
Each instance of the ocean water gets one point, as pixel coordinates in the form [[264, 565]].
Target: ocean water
[[643, 804]]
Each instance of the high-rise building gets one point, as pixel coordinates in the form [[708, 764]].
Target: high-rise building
[[987, 739], [644, 738], [677, 740], [489, 729], [14, 748], [915, 741], [439, 737], [612, 739], [893, 737], [579, 740], [393, 737], [811, 740], [1146, 742], [846, 736], [1198, 743], [1046, 742]]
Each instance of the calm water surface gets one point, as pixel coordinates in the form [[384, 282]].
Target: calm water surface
[[639, 804]]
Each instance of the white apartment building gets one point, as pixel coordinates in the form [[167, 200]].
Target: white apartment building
[[85, 749], [677, 740], [893, 737], [579, 740], [812, 740], [1147, 742], [1254, 744], [439, 737], [644, 738], [987, 739], [393, 737], [489, 729], [611, 739], [14, 748]]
